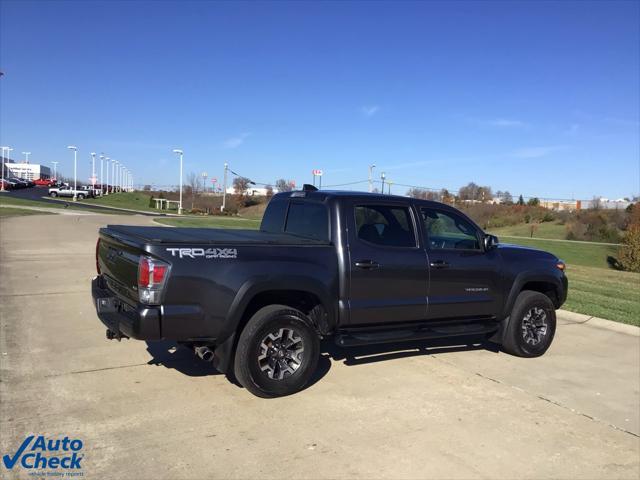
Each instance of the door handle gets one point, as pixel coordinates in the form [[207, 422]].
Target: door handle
[[367, 264], [439, 264]]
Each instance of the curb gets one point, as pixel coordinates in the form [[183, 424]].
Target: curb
[[601, 323], [107, 207]]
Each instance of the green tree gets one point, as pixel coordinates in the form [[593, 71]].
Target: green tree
[[629, 253], [533, 202], [520, 200]]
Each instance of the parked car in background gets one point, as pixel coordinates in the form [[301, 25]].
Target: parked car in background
[[69, 192], [44, 182]]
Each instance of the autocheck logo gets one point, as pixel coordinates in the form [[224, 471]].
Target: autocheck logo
[[40, 453]]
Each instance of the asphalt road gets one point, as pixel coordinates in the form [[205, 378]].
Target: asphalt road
[[39, 194], [401, 411]]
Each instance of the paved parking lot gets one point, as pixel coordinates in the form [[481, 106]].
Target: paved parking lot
[[400, 411]]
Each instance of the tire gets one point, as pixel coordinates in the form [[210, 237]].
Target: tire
[[532, 325], [53, 194], [81, 197], [258, 364]]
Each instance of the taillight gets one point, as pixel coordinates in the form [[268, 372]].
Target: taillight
[[152, 275], [97, 253]]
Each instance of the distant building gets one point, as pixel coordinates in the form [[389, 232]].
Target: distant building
[[28, 171], [561, 205]]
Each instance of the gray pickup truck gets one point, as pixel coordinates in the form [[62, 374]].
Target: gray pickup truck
[[359, 268]]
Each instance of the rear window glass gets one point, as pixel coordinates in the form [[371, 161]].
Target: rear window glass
[[273, 219], [308, 219]]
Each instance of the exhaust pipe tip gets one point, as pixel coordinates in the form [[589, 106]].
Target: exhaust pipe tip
[[205, 353]]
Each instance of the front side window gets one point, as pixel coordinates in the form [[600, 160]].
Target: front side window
[[308, 219], [385, 225], [445, 230]]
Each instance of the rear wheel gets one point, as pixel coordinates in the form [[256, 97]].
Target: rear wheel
[[277, 352], [53, 194], [81, 196], [532, 325]]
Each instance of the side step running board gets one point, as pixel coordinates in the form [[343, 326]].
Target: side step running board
[[423, 332]]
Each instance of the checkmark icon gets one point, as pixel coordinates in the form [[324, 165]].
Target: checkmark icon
[[10, 462]]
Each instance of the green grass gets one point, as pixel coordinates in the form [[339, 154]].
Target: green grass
[[609, 294], [18, 212], [130, 200], [211, 222], [542, 230], [594, 288], [8, 200], [573, 253]]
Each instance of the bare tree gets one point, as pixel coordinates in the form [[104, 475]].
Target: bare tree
[[240, 185], [269, 189], [192, 185], [283, 186]]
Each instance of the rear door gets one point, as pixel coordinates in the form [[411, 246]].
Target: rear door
[[464, 278], [388, 270]]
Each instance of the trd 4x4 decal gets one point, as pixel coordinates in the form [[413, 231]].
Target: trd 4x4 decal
[[204, 252]]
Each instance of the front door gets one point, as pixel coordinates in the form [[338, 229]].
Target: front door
[[389, 273], [464, 278]]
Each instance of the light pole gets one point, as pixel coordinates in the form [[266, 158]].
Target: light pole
[[26, 156], [179, 153], [55, 171], [371, 167], [107, 189], [114, 178], [101, 173], [224, 188], [204, 182], [93, 170], [3, 156], [75, 170], [382, 177]]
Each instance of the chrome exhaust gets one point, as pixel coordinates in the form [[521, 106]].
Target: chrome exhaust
[[205, 353]]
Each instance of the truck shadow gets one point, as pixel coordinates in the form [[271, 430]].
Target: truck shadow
[[171, 355], [365, 354]]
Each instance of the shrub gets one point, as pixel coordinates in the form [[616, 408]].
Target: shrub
[[629, 253]]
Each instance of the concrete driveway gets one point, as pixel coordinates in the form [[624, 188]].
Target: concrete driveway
[[400, 411]]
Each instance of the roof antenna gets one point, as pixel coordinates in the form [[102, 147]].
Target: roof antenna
[[309, 188]]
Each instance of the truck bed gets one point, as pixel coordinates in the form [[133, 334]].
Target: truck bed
[[168, 235]]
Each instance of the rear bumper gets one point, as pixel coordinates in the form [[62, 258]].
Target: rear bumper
[[140, 322]]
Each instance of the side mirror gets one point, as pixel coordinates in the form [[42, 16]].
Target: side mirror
[[490, 241]]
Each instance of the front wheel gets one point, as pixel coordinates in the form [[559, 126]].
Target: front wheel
[[81, 197], [277, 352], [532, 325], [53, 194]]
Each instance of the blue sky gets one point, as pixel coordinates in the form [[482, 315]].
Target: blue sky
[[538, 98]]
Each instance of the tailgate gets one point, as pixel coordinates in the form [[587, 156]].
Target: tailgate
[[118, 263]]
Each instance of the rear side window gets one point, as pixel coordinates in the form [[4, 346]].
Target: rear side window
[[385, 225], [273, 219], [308, 219]]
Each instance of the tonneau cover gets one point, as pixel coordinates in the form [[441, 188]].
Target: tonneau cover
[[207, 235]]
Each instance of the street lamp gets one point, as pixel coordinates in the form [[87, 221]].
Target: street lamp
[[55, 171], [114, 179], [108, 160], [93, 169], [7, 149], [382, 177], [75, 170], [101, 173], [371, 167], [26, 156], [179, 152], [224, 188]]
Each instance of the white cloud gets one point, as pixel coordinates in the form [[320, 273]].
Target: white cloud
[[370, 110], [235, 142], [505, 123], [536, 152]]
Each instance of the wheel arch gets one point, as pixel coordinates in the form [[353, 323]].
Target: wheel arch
[[302, 293]]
